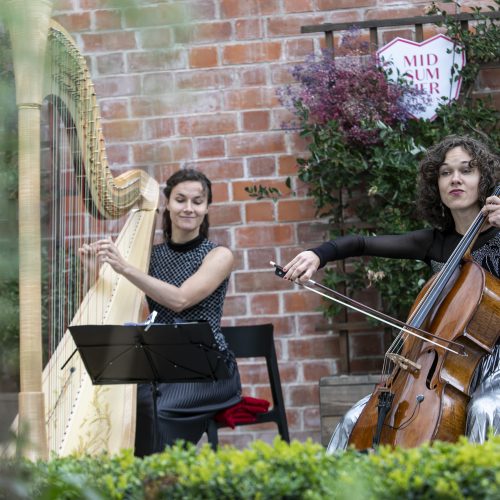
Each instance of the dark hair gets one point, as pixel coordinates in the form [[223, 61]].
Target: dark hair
[[429, 201], [186, 175]]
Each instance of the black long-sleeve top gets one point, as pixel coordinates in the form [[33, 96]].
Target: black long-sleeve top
[[429, 245]]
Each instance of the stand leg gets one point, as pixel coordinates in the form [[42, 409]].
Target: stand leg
[[154, 394]]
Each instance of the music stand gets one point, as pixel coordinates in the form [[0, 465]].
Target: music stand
[[156, 353]]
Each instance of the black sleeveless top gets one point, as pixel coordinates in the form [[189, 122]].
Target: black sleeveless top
[[175, 263]]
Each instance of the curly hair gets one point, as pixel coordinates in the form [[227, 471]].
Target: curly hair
[[186, 175], [429, 201]]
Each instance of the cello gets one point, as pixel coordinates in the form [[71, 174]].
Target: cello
[[428, 371]]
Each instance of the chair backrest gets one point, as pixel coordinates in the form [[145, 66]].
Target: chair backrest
[[251, 340]]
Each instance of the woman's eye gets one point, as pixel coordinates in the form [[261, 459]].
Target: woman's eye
[[444, 173]]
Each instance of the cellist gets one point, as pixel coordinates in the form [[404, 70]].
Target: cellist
[[456, 178]]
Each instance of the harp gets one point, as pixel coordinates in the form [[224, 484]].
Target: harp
[[60, 411]]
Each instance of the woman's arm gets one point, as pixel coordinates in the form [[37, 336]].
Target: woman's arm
[[412, 245], [215, 268]]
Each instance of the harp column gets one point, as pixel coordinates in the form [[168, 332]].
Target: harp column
[[28, 22]]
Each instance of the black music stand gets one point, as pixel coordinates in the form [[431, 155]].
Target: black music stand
[[156, 353]]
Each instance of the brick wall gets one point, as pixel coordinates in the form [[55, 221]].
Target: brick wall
[[193, 84]]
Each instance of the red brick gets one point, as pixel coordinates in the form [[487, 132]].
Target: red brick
[[363, 345], [257, 236], [251, 52], [313, 348], [159, 128], [224, 214], [298, 49], [264, 304], [258, 258], [489, 78], [374, 13], [314, 370], [213, 124], [221, 236], [201, 10], [255, 144], [240, 194], [158, 83], [203, 57], [237, 8], [264, 281], [96, 42], [303, 395], [261, 166], [301, 301], [107, 19], [157, 38], [287, 165], [205, 79], [119, 154], [344, 4], [296, 210], [256, 120], [255, 75], [123, 130], [280, 74], [212, 32], [220, 191], [253, 372], [210, 147], [287, 25], [108, 64], [166, 151], [113, 109], [250, 98], [75, 22], [220, 169], [119, 86], [235, 305], [312, 233], [155, 60], [260, 211], [248, 29], [298, 5], [178, 103], [160, 15]]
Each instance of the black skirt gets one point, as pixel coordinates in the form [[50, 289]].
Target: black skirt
[[183, 409]]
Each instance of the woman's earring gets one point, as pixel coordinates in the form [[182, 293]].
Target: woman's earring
[[442, 210]]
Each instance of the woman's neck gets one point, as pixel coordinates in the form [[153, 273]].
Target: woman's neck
[[464, 219], [179, 237]]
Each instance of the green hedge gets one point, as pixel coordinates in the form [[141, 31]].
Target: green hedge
[[261, 471]]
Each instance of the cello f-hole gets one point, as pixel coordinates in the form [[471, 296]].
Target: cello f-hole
[[432, 370]]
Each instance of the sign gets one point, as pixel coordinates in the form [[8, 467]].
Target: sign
[[428, 66]]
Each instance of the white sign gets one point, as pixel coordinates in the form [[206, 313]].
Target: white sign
[[428, 66]]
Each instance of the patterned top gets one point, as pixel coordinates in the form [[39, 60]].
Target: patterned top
[[174, 264]]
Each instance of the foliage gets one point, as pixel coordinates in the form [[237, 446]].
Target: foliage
[[9, 309], [281, 470], [361, 166]]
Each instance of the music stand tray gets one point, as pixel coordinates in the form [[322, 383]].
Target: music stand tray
[[182, 352]]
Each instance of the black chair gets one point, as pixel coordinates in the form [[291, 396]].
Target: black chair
[[249, 342]]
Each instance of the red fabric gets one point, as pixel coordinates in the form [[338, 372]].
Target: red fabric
[[244, 412]]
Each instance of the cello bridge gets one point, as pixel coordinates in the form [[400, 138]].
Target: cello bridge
[[404, 363]]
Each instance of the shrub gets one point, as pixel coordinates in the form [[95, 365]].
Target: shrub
[[263, 471]]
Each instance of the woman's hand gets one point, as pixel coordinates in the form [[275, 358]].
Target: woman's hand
[[87, 253], [302, 267], [491, 210], [108, 253]]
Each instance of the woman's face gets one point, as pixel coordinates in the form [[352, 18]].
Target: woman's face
[[187, 206], [458, 181]]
